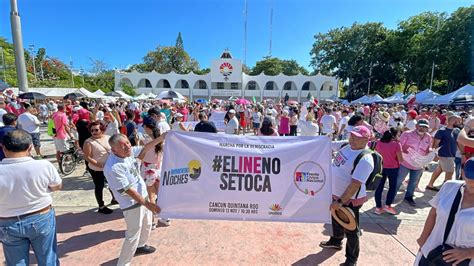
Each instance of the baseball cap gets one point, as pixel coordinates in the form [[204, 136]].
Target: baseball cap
[[469, 168], [412, 113], [361, 132], [423, 123], [178, 115], [232, 111]]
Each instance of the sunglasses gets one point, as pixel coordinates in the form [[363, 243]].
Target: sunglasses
[[95, 130]]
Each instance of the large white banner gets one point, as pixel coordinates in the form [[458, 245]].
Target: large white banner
[[227, 177]]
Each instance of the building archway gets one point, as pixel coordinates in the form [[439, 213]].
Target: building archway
[[125, 81], [144, 83], [271, 86], [163, 83], [252, 86], [327, 86], [200, 85], [290, 86], [181, 84], [308, 86]]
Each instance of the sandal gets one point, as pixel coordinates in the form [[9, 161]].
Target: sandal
[[432, 188]]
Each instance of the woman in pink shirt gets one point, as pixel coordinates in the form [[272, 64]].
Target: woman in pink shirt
[[284, 128], [150, 169], [391, 151]]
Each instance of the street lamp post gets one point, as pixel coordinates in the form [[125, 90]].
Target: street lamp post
[[4, 66], [32, 49], [18, 44]]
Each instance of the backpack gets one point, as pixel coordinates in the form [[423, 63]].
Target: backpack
[[374, 178], [51, 129]]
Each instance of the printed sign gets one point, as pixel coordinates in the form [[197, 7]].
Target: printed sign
[[227, 177]]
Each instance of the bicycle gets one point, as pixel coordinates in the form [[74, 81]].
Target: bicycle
[[70, 159]]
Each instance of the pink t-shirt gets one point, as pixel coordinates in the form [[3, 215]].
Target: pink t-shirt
[[60, 121], [420, 144], [389, 153], [83, 114], [284, 125], [151, 156]]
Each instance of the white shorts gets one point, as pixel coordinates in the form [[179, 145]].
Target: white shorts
[[446, 164], [61, 145]]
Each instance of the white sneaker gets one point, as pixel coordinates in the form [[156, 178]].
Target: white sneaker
[[164, 221]]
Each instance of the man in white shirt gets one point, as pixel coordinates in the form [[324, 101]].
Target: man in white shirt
[[30, 123], [26, 216], [2, 111], [343, 123], [129, 189], [328, 123], [349, 189], [232, 126]]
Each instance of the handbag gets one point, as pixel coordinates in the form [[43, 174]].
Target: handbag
[[435, 257]]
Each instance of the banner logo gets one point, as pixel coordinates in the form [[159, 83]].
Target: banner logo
[[275, 209], [226, 69], [194, 169], [309, 178]]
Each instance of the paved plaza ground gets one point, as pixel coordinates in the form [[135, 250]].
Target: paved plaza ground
[[86, 237]]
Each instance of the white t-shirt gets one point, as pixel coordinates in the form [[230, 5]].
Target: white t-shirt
[[112, 128], [328, 121], [163, 126], [462, 231], [256, 117], [308, 128], [232, 126], [123, 174], [29, 122], [411, 125], [43, 109], [177, 127], [2, 112], [24, 185], [344, 121], [99, 115], [342, 165]]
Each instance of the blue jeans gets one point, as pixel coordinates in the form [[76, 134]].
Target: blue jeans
[[457, 162], [37, 230], [392, 175], [412, 181]]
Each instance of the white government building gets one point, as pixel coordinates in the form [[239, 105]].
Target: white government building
[[226, 79]]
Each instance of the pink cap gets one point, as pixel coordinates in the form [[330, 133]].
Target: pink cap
[[361, 132]]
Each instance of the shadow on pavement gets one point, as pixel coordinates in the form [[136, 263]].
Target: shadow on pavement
[[317, 258], [75, 182], [73, 222], [86, 241]]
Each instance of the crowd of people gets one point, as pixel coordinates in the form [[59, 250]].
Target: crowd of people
[[122, 143]]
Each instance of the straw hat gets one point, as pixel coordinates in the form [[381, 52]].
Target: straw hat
[[345, 217], [384, 116]]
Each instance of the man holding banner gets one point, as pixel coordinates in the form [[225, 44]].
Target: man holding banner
[[349, 193], [129, 189]]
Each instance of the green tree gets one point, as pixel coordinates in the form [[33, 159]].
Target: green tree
[[454, 43], [165, 59], [356, 54], [273, 66]]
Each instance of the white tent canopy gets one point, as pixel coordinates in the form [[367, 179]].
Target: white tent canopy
[[141, 97], [367, 99], [467, 90], [396, 98], [99, 92], [425, 95], [88, 94]]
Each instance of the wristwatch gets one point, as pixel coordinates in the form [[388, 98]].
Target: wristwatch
[[339, 201]]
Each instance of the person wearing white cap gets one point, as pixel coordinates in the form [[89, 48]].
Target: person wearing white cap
[[232, 126], [178, 123]]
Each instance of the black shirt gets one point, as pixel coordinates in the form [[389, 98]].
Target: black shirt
[[205, 126]]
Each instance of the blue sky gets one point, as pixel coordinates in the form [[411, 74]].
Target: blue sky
[[121, 32]]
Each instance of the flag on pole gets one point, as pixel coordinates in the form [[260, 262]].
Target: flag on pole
[[253, 99], [309, 97]]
